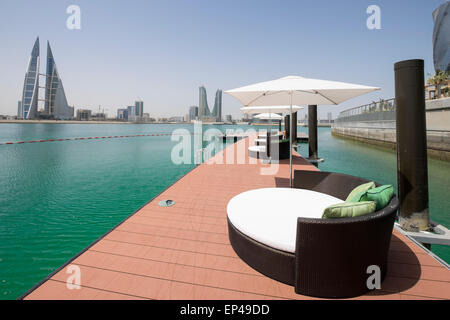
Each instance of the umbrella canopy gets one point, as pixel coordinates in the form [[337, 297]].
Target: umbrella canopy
[[270, 109], [269, 116], [295, 90], [298, 91]]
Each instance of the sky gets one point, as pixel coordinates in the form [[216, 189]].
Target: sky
[[162, 51]]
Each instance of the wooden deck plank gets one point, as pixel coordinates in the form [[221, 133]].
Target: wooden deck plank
[[183, 251]]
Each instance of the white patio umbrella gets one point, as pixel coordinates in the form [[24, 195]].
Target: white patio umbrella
[[295, 90], [269, 109]]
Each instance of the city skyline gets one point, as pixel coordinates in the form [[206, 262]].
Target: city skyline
[[239, 54]]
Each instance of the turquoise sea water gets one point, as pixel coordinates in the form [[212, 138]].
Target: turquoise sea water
[[58, 197]]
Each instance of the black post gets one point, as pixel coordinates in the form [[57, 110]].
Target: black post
[[287, 125], [412, 169], [294, 127], [268, 140], [279, 126], [312, 132]]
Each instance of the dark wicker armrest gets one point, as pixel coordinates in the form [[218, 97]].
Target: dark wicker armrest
[[332, 255], [335, 184]]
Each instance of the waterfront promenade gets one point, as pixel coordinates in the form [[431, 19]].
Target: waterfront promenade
[[183, 251]]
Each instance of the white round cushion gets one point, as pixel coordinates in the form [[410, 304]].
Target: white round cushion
[[269, 215], [257, 148]]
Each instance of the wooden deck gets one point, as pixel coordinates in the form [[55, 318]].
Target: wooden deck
[[183, 251]]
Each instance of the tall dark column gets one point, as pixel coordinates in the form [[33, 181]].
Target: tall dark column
[[412, 168], [312, 132], [279, 126], [287, 125], [294, 127]]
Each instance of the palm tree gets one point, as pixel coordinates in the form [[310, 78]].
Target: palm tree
[[440, 78]]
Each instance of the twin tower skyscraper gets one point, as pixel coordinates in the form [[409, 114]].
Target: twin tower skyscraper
[[55, 102], [203, 110]]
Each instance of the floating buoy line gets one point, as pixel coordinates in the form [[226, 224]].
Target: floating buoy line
[[155, 134]]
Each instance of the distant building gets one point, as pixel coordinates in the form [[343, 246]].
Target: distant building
[[72, 112], [98, 116], [203, 109], [139, 109], [228, 118], [193, 113], [176, 119], [84, 115], [30, 94], [55, 103], [146, 117], [122, 114], [19, 109], [329, 116], [55, 98], [217, 111], [131, 113]]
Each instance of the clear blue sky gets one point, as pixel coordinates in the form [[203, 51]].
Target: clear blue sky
[[162, 51]]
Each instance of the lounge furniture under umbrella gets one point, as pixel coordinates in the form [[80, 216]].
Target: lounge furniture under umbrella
[[295, 90], [270, 110], [269, 116]]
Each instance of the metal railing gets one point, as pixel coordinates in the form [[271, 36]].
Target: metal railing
[[380, 106]]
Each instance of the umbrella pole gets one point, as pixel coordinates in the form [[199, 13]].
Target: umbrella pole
[[290, 142]]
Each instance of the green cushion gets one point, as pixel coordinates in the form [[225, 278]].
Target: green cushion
[[381, 195], [349, 209], [361, 188], [360, 196]]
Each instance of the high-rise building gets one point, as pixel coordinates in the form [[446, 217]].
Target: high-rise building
[[441, 37], [329, 116], [131, 113], [217, 111], [55, 98], [19, 109], [139, 109], [56, 105], [193, 113], [203, 109], [30, 95]]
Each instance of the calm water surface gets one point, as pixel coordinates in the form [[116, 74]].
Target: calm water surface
[[58, 197]]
